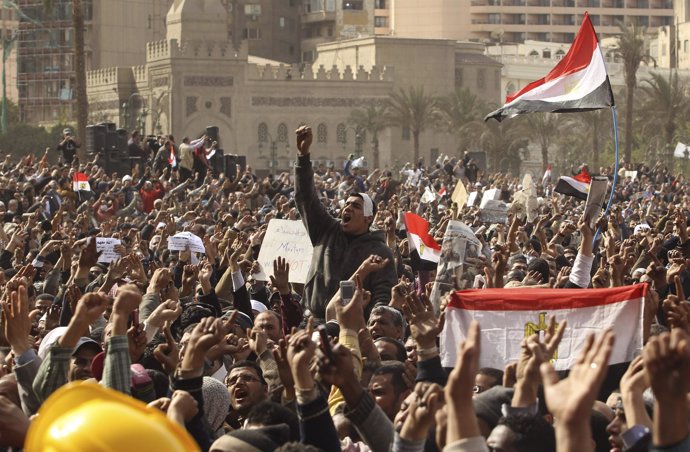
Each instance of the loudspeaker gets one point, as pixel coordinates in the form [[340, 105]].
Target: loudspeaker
[[212, 132], [229, 162], [95, 139]]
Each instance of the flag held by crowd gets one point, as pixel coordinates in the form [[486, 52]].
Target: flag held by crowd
[[80, 182], [576, 186], [508, 316], [578, 82], [420, 239]]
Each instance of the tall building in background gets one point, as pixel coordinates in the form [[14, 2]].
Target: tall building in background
[[114, 32], [514, 21], [335, 20], [271, 28]]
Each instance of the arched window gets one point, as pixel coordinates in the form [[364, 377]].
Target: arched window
[[510, 88], [322, 133], [263, 132], [341, 133], [282, 132], [534, 53]]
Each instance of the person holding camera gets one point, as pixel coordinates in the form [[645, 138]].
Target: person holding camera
[[68, 146]]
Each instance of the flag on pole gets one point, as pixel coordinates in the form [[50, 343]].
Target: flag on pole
[[508, 316], [578, 82], [420, 240], [80, 182], [576, 186], [172, 158], [547, 175]]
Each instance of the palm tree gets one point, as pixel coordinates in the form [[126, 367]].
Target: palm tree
[[79, 64], [665, 105], [502, 141], [590, 130], [460, 114], [372, 120], [412, 109], [630, 48], [544, 129]]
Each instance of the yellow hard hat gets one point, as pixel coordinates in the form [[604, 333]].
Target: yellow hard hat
[[86, 417]]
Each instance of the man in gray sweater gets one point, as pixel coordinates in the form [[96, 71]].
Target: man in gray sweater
[[340, 245]]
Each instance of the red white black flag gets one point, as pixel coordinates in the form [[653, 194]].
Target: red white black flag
[[576, 186], [579, 82]]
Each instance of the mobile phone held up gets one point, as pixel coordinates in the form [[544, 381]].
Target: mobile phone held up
[[347, 291], [325, 343]]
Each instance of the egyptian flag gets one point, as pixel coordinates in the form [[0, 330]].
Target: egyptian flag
[[579, 82], [508, 316], [80, 182], [427, 251], [547, 175], [172, 159], [576, 186]]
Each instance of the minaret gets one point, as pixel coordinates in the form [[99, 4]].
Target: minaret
[[197, 20]]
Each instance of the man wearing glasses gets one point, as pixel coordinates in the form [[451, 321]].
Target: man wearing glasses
[[247, 388]]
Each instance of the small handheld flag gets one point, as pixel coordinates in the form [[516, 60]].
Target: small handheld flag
[[80, 182], [420, 239], [578, 82]]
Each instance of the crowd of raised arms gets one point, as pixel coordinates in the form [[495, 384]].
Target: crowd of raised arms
[[163, 350]]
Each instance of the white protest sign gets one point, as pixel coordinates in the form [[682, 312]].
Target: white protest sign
[[472, 199], [491, 211], [288, 239], [106, 246], [182, 240], [493, 194], [631, 174], [679, 151]]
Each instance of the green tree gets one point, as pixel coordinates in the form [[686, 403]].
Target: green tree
[[413, 109], [592, 130], [502, 142], [631, 49], [373, 120], [665, 105], [544, 129], [460, 114]]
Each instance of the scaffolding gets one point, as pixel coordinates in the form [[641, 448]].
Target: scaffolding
[[45, 61]]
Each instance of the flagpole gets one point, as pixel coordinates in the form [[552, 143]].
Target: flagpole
[[615, 170]]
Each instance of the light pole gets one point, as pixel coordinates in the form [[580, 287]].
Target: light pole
[[7, 43], [273, 163]]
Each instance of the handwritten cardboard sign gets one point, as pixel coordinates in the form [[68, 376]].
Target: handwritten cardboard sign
[[287, 239]]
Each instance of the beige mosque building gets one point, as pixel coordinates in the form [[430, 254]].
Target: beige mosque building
[[195, 78]]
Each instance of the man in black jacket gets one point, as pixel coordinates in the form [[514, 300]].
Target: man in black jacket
[[340, 246]]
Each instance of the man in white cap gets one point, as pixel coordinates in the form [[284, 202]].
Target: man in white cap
[[340, 246]]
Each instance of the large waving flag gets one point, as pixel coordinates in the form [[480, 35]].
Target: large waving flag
[[579, 82], [507, 316]]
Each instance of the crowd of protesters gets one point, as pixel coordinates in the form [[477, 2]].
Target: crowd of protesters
[[166, 350]]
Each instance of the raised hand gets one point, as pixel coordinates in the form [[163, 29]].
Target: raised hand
[[425, 326], [304, 139], [18, 321], [372, 264], [667, 365], [421, 412], [206, 334], [166, 312], [281, 276], [462, 422], [183, 407], [168, 354], [571, 400]]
